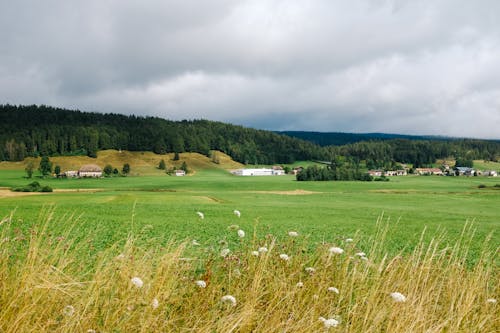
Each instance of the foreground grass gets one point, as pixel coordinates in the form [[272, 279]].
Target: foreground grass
[[45, 285]]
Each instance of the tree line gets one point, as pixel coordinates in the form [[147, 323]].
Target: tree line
[[48, 131], [44, 130]]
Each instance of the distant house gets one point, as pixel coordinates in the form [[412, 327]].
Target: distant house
[[90, 170], [278, 171], [70, 174], [464, 171], [490, 173], [429, 171], [401, 172], [375, 173], [259, 172], [180, 173]]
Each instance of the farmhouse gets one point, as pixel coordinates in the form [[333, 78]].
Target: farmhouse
[[490, 173], [90, 170], [375, 173], [71, 174], [465, 171], [428, 171], [180, 173], [259, 172]]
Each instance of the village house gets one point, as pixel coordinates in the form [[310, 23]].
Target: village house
[[259, 172], [429, 171], [70, 174], [375, 173], [490, 173], [90, 170], [465, 171], [180, 173], [296, 170]]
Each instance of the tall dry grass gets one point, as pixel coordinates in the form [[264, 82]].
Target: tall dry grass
[[47, 286]]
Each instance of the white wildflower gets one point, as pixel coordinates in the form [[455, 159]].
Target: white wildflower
[[136, 281], [255, 253], [364, 258], [229, 299], [155, 304], [398, 297], [336, 250], [310, 270], [284, 257], [333, 290], [201, 283], [315, 297], [491, 301], [241, 233], [293, 233], [299, 284], [237, 213], [349, 240], [68, 310], [328, 323], [360, 254], [201, 215], [195, 242], [263, 249], [121, 256], [91, 331], [224, 253]]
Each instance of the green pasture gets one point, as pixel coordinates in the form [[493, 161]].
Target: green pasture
[[161, 207]]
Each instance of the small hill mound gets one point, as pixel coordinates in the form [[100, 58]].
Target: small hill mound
[[141, 163]]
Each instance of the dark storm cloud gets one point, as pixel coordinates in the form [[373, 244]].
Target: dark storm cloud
[[427, 67]]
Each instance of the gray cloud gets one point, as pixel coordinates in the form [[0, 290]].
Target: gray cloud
[[420, 67]]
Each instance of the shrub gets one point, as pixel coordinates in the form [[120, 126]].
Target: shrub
[[46, 188]]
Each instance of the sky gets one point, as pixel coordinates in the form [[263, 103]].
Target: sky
[[428, 67]]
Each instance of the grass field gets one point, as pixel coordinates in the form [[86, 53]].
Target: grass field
[[159, 206], [118, 254]]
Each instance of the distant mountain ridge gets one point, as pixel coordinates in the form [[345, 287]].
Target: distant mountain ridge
[[341, 138]]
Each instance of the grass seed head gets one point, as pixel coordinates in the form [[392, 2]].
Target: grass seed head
[[137, 281], [398, 297], [229, 299], [335, 250]]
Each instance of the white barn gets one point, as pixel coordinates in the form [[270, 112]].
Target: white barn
[[258, 172], [90, 170]]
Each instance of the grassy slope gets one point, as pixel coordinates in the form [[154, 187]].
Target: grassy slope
[[167, 205]]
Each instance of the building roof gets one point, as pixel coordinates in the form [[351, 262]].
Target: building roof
[[90, 168]]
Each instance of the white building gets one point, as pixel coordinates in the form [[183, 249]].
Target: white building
[[258, 172], [180, 173], [90, 170]]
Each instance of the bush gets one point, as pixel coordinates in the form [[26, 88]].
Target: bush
[[46, 188]]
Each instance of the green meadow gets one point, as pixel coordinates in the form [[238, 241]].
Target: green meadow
[[159, 207]]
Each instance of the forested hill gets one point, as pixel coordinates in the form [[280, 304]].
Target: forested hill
[[340, 138], [43, 130]]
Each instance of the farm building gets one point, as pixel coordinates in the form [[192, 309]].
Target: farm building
[[179, 173], [90, 170], [71, 174], [490, 173], [258, 172], [429, 171], [464, 171], [375, 173]]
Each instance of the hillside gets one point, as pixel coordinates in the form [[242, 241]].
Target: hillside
[[32, 131], [42, 130], [141, 163]]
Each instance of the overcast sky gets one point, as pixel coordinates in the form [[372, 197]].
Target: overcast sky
[[413, 67]]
